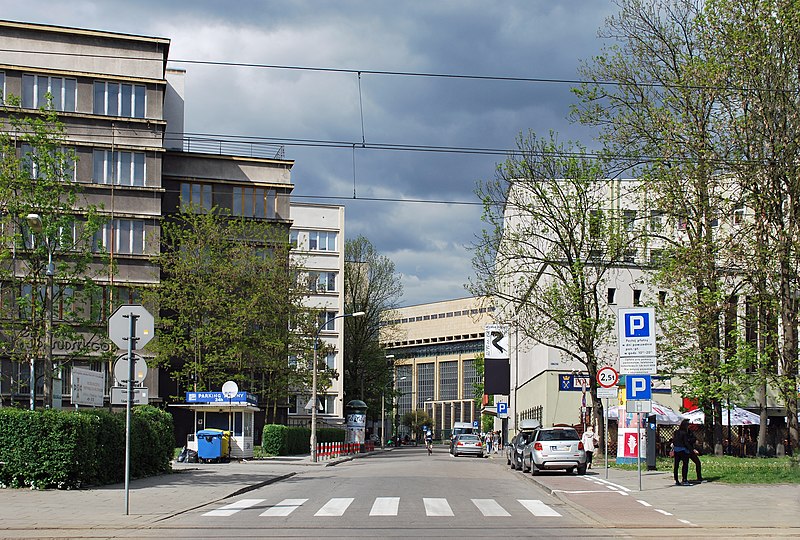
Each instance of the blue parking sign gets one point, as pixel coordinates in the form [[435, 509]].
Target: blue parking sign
[[637, 387], [502, 408]]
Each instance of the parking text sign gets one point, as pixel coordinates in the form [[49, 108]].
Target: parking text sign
[[637, 333]]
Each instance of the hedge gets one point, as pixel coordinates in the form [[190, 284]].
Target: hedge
[[281, 440], [73, 449]]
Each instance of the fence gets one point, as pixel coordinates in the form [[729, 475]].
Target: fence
[[331, 450]]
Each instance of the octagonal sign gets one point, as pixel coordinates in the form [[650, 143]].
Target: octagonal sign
[[119, 326]]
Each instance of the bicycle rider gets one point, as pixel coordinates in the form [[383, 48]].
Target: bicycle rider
[[429, 441]]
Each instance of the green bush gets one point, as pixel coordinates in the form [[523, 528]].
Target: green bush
[[280, 440], [69, 449]]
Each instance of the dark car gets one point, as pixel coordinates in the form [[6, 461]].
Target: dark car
[[514, 456]]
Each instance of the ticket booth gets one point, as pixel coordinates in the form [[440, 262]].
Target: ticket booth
[[212, 410]]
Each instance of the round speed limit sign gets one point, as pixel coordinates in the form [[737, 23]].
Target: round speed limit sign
[[607, 377]]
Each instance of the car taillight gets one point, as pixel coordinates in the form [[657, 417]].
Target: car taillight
[[580, 445], [537, 446], [460, 443], [479, 444]]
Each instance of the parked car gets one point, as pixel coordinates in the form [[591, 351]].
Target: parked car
[[554, 448], [527, 427], [467, 443]]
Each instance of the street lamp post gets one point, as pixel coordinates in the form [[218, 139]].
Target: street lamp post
[[314, 382], [383, 407], [35, 223]]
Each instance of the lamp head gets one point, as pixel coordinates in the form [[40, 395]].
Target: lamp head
[[34, 222]]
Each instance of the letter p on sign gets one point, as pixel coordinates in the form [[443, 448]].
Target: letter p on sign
[[637, 324], [638, 387]]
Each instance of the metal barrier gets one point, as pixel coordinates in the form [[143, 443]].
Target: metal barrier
[[331, 450]]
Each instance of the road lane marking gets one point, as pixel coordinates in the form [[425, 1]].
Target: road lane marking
[[490, 507], [607, 483], [230, 509], [538, 508], [437, 508], [335, 507], [285, 507], [662, 511], [385, 506], [644, 503]]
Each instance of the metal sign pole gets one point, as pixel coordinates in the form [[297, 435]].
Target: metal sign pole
[[608, 404], [132, 319], [639, 447]]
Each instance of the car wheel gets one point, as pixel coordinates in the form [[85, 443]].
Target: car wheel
[[455, 454], [534, 469], [571, 470], [582, 469], [524, 467]]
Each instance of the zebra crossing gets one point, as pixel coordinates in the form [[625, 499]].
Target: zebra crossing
[[385, 506]]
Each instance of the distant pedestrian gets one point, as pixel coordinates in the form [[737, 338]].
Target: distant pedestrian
[[680, 449], [693, 453], [589, 440], [495, 440], [488, 442]]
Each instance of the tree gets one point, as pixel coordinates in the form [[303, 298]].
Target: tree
[[655, 95], [227, 297], [415, 421], [37, 176], [551, 239], [371, 285], [757, 40]]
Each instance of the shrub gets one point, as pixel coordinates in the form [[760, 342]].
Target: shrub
[[284, 440]]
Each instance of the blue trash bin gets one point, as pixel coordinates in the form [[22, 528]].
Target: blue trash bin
[[209, 444]]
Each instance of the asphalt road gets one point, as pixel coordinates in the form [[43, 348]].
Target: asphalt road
[[398, 494]]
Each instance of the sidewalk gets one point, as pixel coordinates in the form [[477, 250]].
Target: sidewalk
[[153, 499]]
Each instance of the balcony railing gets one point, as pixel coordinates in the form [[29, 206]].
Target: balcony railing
[[226, 147]]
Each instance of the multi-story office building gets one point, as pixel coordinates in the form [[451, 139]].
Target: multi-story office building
[[318, 236], [434, 347]]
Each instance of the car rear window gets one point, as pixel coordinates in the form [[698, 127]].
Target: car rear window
[[558, 435]]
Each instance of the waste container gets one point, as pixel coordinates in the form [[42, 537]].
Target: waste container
[[213, 444]]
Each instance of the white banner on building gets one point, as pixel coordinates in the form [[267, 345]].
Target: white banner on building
[[496, 341]]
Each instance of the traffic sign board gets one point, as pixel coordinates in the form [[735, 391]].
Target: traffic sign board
[[637, 332], [502, 409], [119, 395], [119, 326], [638, 364], [603, 392], [638, 387], [607, 377], [496, 341], [121, 369]]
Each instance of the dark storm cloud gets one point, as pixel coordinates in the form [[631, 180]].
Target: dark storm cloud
[[427, 242]]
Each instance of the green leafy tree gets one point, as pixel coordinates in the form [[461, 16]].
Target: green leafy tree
[[227, 297], [371, 285], [550, 241], [37, 176], [415, 421]]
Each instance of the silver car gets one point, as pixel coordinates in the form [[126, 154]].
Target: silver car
[[467, 443], [554, 448]]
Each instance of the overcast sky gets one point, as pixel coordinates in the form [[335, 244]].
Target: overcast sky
[[428, 241]]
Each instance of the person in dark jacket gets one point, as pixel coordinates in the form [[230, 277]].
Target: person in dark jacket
[[680, 448], [691, 441]]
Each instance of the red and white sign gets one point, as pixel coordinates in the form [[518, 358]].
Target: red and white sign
[[631, 444], [607, 377]]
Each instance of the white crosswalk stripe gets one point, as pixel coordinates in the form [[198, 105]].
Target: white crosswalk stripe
[[538, 508], [230, 509], [335, 507], [490, 508], [285, 507], [437, 507], [385, 506], [382, 506]]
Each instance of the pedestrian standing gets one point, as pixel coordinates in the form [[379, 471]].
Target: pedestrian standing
[[680, 449], [495, 440], [589, 440], [691, 442], [488, 442]]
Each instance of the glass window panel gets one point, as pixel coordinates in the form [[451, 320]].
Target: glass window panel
[[99, 98], [207, 197], [112, 99], [27, 91], [186, 195], [55, 90], [126, 101], [248, 202], [2, 87], [260, 203], [237, 201], [125, 168], [138, 168], [138, 101], [137, 237], [70, 89], [124, 236], [195, 194], [41, 91], [271, 203], [312, 240]]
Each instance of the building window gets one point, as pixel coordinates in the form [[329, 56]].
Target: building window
[[470, 379], [33, 164], [127, 234], [196, 195], [322, 241], [294, 238], [612, 293], [595, 224], [118, 168], [35, 90], [637, 297], [330, 361], [2, 88], [425, 384], [326, 321], [629, 256], [448, 380], [738, 216], [253, 202], [656, 257], [662, 298], [629, 219], [656, 220], [119, 99], [328, 404], [322, 281]]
